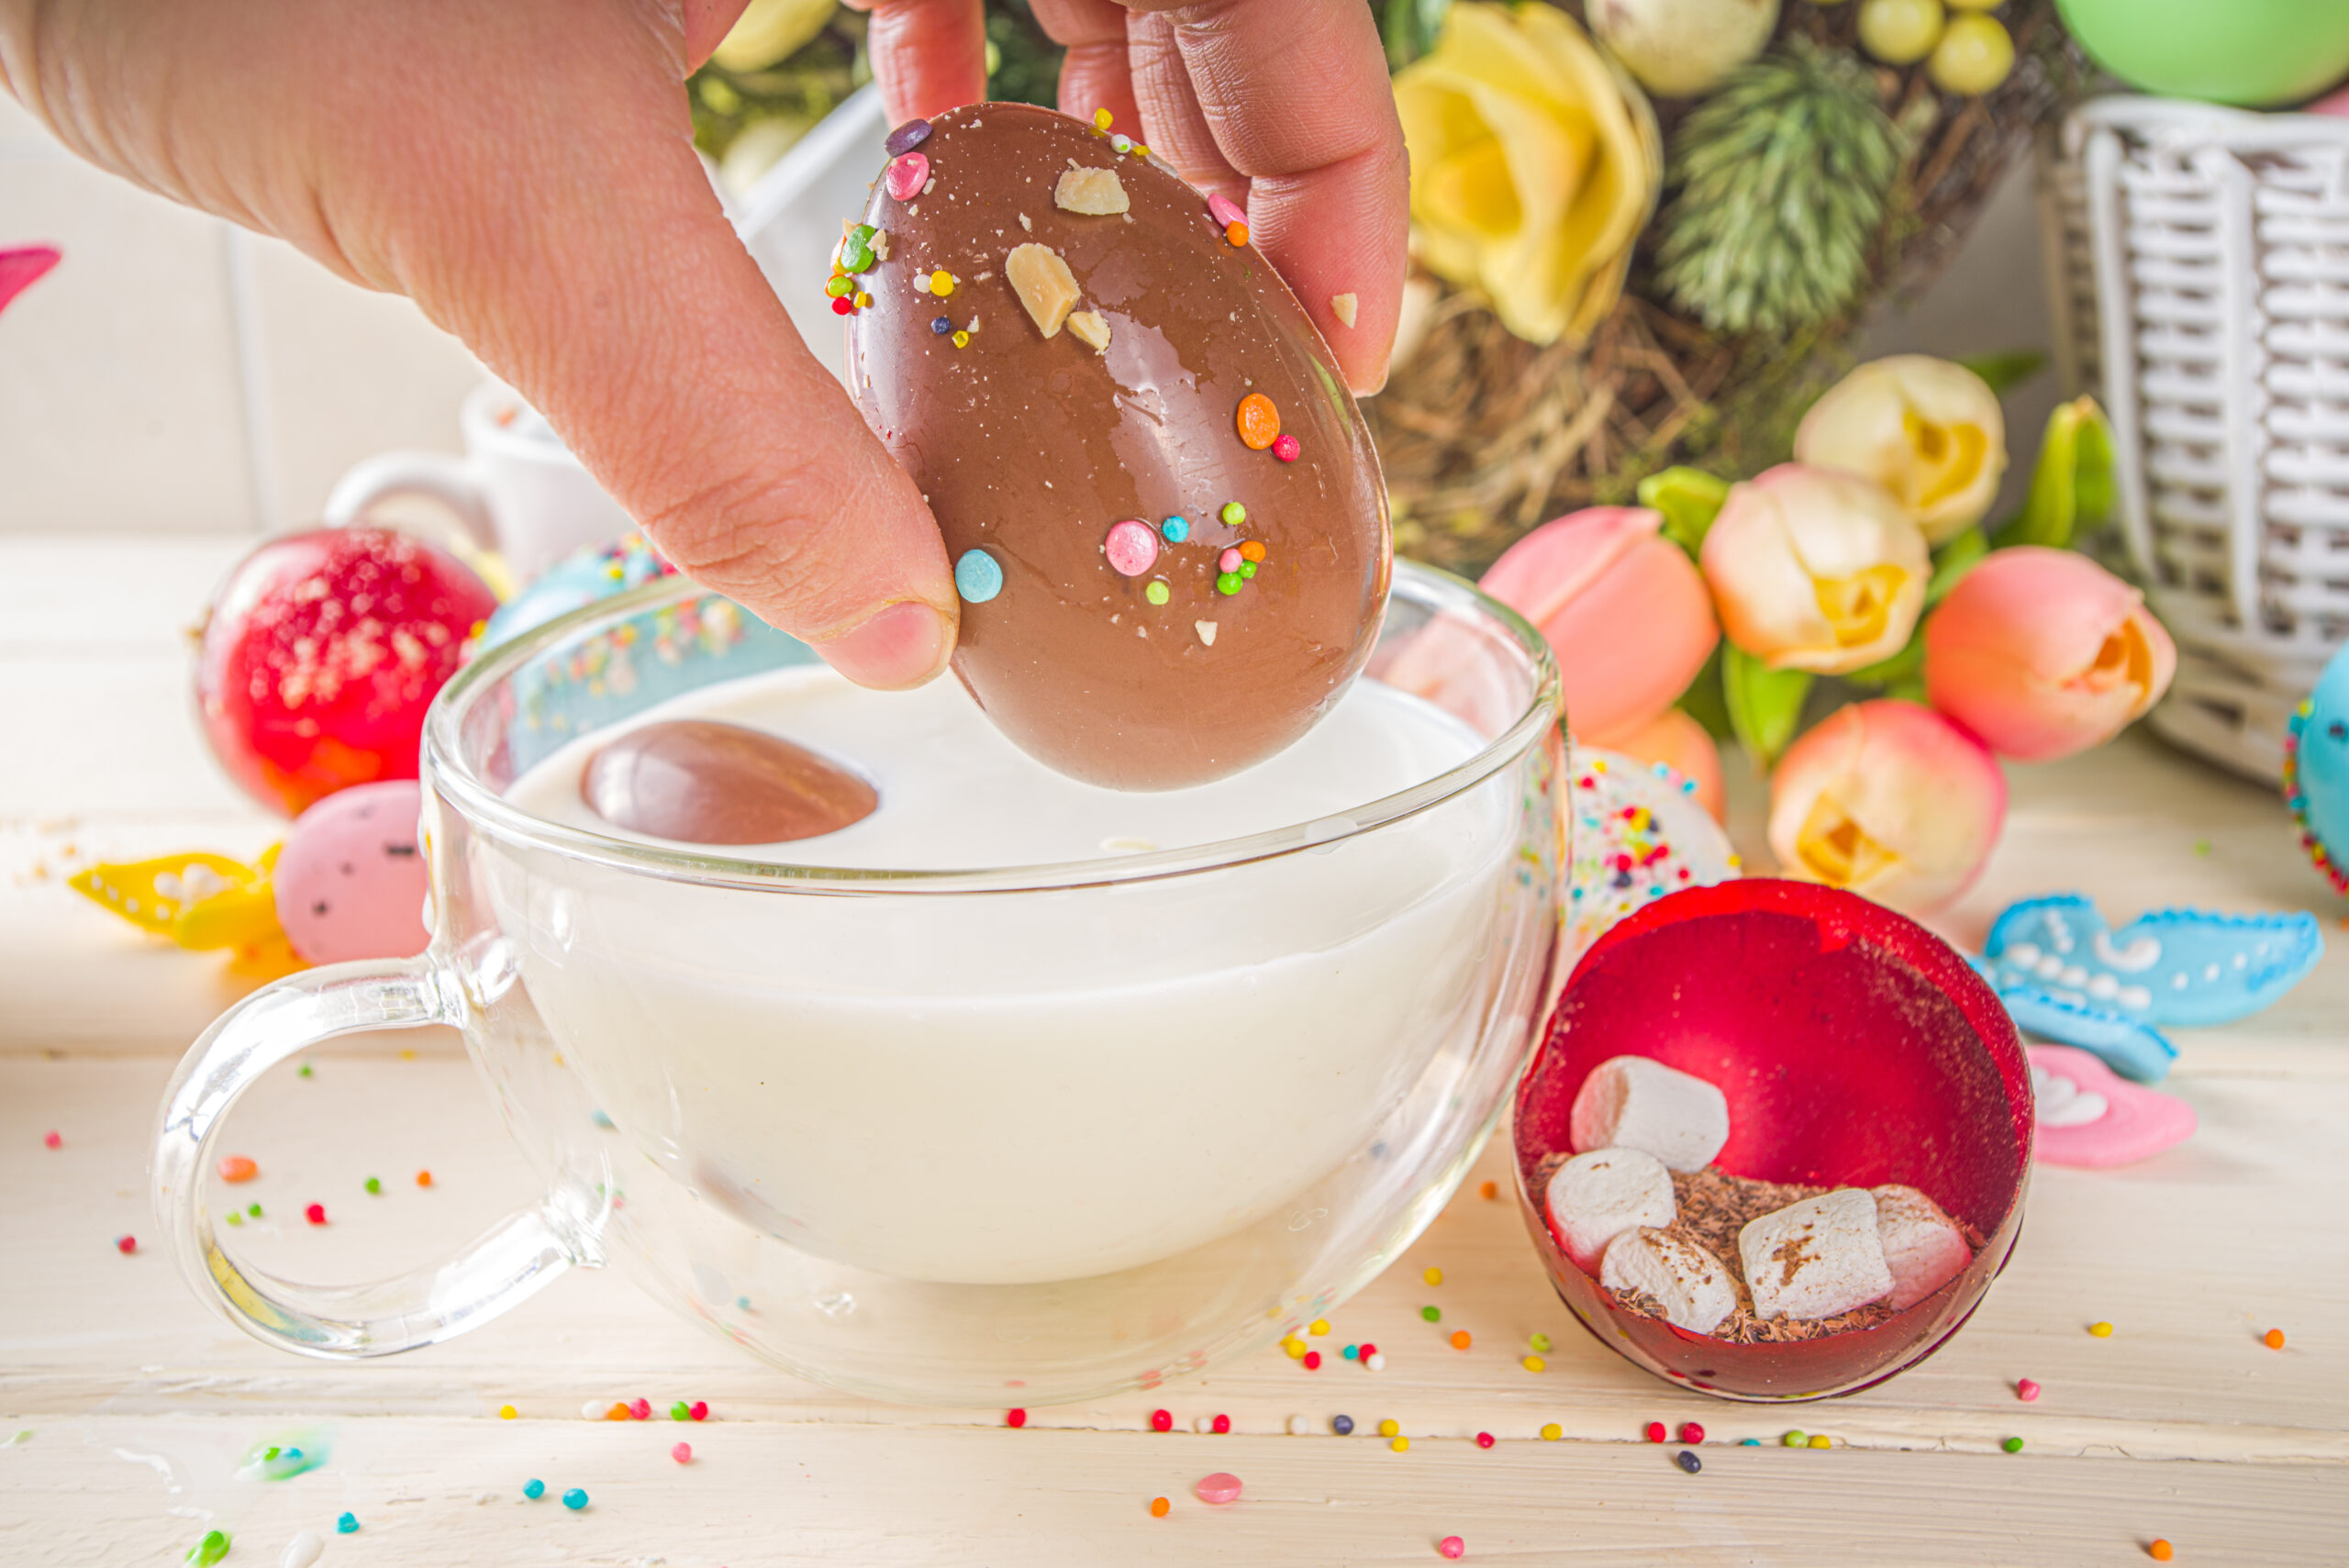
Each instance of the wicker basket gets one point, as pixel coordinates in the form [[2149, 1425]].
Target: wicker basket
[[2200, 277]]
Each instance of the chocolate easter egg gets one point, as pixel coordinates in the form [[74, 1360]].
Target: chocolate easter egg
[[705, 783], [1167, 521]]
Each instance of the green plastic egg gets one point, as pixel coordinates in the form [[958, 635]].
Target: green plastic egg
[[2253, 54]]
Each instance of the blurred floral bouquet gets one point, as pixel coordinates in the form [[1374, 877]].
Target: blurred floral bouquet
[[1856, 587]]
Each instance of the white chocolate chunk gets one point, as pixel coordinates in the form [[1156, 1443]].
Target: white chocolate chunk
[[1206, 628], [1091, 328], [1691, 1284], [1045, 285], [1630, 1102], [1923, 1246], [1342, 306], [1816, 1258], [1595, 1198], [1094, 193]]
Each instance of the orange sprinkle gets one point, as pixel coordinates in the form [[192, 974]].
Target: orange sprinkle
[[2274, 1339], [619, 1412], [1158, 1506], [1460, 1340], [424, 1178], [237, 1168], [1489, 1190], [1259, 421], [1253, 551], [2161, 1551], [1236, 233]]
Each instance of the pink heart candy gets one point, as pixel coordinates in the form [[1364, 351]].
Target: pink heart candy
[[2133, 1123], [1225, 212], [907, 175], [1221, 1488]]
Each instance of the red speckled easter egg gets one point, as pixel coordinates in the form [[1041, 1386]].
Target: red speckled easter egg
[[320, 654]]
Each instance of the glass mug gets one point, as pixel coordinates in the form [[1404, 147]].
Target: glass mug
[[800, 1113]]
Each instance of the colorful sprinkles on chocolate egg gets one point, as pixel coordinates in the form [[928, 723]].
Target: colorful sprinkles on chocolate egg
[[1131, 547], [1259, 421], [978, 577]]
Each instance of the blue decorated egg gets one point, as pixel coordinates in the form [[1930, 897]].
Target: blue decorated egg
[[594, 573], [2316, 770]]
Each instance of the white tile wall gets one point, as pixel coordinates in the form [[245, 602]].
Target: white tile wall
[[176, 374]]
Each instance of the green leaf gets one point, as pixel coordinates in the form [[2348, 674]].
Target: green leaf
[[2007, 371], [1901, 666], [1954, 561], [2074, 482], [1764, 704], [1689, 499], [1704, 700]]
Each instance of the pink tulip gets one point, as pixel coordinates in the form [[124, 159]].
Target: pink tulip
[[1624, 609], [2043, 653], [1890, 800], [1680, 743]]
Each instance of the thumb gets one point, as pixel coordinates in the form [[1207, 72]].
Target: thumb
[[607, 286]]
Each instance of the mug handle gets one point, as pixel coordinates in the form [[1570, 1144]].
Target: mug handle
[[436, 476], [498, 1269]]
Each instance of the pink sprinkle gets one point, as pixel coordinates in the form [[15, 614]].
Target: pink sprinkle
[[125, 1245], [700, 1411], [1131, 547], [907, 175], [2026, 1390], [1451, 1546], [1221, 1424], [1229, 560], [1015, 1417], [1483, 1440], [1225, 213], [1313, 1361], [53, 1141], [1221, 1488], [316, 1214], [640, 1410], [683, 1453], [1285, 447]]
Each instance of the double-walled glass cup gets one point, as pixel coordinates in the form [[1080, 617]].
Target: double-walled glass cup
[[1175, 1104]]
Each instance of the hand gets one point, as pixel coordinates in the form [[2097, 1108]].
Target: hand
[[524, 170], [1282, 106]]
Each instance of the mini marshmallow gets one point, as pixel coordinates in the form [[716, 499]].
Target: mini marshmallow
[[1691, 1284], [1816, 1258], [1595, 1198], [1630, 1102], [1922, 1247]]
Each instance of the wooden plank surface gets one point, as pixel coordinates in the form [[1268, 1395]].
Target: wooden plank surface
[[139, 1403]]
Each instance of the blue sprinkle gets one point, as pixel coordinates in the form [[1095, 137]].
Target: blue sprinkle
[[292, 1454], [1342, 1425], [534, 1489], [574, 1500], [599, 1119], [978, 577], [1751, 1442], [1351, 1352], [1176, 529], [346, 1525], [940, 325], [743, 1302]]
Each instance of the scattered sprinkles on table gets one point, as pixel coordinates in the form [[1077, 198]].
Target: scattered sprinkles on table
[[574, 1500], [1217, 1489], [534, 1489], [237, 1168], [1639, 834], [347, 1524], [1158, 1508], [2026, 1390], [1687, 1460], [2101, 1330], [2272, 1338], [1450, 1546]]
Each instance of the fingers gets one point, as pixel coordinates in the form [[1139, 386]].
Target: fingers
[[1094, 73], [1297, 96], [927, 55], [1179, 131]]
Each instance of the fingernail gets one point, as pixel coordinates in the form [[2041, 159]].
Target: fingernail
[[903, 646]]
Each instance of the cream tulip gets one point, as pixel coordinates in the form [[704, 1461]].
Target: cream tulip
[[1928, 431], [1818, 570], [1890, 800]]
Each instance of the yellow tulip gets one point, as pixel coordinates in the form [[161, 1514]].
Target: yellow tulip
[[1814, 570], [1926, 430], [1535, 165], [768, 32]]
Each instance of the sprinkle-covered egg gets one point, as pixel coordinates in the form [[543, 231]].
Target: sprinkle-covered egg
[[1167, 522], [350, 882]]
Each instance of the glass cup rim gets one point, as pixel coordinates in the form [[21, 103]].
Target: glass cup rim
[[445, 773]]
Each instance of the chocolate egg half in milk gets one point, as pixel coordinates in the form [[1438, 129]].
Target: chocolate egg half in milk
[[1167, 523]]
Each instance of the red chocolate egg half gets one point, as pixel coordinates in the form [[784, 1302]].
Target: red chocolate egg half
[[1090, 362]]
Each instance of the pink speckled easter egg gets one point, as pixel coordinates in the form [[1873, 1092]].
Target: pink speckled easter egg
[[350, 881]]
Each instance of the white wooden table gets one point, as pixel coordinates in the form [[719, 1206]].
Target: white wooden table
[[130, 1405]]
